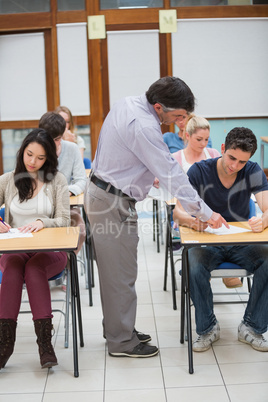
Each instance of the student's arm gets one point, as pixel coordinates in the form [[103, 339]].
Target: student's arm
[[258, 224], [181, 217]]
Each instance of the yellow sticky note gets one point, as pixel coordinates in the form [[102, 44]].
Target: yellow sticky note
[[96, 27], [167, 21]]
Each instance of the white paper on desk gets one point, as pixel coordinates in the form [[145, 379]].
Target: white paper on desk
[[13, 234], [224, 231]]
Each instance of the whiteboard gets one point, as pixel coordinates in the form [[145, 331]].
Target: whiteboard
[[22, 77], [73, 67], [133, 62], [224, 61]]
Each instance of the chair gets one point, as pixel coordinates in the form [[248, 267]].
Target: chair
[[224, 270], [87, 163]]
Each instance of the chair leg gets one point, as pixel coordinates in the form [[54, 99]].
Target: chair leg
[[67, 307], [173, 276], [166, 257]]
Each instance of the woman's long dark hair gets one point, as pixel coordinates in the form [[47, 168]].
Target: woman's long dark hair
[[23, 180]]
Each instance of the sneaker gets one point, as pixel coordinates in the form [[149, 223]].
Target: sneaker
[[232, 283], [141, 350], [204, 342], [143, 338], [247, 335]]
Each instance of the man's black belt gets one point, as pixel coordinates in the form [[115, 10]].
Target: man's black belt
[[111, 189]]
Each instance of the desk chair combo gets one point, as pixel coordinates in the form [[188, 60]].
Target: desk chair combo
[[220, 271], [224, 270], [54, 239]]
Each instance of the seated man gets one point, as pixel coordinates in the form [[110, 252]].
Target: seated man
[[226, 184]]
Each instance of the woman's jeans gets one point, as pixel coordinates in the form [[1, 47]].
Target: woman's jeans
[[253, 258]]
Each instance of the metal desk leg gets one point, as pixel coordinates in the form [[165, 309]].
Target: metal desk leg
[[75, 296], [188, 310]]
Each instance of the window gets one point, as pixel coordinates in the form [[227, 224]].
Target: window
[[116, 4], [24, 6], [70, 5]]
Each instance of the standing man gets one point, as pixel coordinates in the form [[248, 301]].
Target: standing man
[[130, 154]]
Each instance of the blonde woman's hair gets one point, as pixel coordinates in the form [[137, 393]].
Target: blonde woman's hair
[[67, 111], [196, 122]]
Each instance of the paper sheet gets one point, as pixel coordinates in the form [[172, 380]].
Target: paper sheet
[[13, 234], [224, 231]]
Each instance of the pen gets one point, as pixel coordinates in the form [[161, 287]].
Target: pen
[[1, 219]]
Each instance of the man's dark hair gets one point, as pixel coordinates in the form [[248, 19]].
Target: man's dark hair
[[242, 138], [171, 92], [53, 123]]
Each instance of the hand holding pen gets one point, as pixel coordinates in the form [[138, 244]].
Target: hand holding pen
[[4, 227]]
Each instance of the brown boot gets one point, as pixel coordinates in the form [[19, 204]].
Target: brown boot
[[7, 340], [43, 328]]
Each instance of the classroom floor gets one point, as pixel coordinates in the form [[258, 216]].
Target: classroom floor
[[230, 371]]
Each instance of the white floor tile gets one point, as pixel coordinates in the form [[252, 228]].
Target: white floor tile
[[194, 394]]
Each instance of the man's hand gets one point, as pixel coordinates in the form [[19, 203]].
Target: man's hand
[[198, 225], [216, 221], [256, 224], [156, 183]]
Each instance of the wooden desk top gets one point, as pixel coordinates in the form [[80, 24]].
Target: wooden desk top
[[190, 236], [77, 200], [264, 139], [48, 239]]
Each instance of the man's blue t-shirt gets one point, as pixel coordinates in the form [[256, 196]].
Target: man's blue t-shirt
[[175, 143], [232, 203]]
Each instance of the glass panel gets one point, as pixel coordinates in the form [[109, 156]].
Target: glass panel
[[84, 132], [115, 4], [74, 86], [22, 76], [24, 6], [189, 3], [11, 141], [69, 5]]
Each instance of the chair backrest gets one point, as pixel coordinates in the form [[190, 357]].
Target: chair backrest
[[87, 163]]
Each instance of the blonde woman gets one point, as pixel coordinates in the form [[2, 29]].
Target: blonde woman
[[177, 141], [196, 137]]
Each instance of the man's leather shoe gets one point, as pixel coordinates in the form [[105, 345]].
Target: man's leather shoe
[[143, 338], [141, 350]]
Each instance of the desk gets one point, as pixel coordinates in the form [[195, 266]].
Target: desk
[[55, 239], [191, 238], [78, 201], [264, 141]]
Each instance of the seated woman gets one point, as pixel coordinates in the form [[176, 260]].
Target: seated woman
[[177, 141], [197, 137], [36, 196]]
